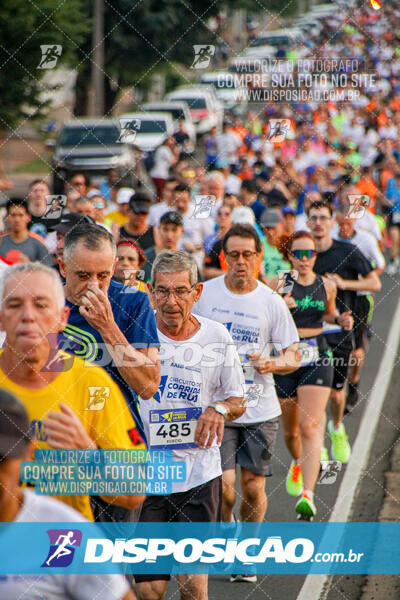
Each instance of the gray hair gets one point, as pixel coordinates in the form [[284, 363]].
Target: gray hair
[[34, 267], [215, 175], [93, 237], [83, 200], [174, 261]]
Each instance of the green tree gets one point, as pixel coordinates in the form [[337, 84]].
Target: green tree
[[24, 27], [142, 38]]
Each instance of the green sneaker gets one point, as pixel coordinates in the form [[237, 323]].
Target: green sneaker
[[341, 448], [324, 460], [305, 506], [294, 480]]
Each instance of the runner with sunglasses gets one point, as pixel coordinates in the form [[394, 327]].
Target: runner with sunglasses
[[304, 393]]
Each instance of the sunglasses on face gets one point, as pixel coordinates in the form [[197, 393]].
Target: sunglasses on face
[[303, 253]]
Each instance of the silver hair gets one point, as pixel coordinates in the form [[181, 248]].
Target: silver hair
[[174, 261], [34, 267], [215, 175]]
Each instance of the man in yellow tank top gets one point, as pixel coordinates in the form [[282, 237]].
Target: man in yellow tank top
[[61, 393]]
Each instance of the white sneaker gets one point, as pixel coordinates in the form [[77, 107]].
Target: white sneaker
[[393, 267]]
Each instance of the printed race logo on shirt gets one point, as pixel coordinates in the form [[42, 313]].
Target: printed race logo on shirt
[[37, 431], [135, 436], [63, 543], [97, 397], [157, 396]]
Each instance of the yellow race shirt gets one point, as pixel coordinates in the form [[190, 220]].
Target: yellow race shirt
[[95, 399], [117, 217]]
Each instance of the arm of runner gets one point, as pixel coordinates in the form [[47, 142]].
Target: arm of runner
[[211, 423], [143, 375], [65, 430], [289, 360], [368, 283]]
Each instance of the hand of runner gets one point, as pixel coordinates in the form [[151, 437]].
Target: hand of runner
[[209, 424], [263, 364], [346, 320], [290, 301], [96, 309], [340, 282], [65, 430]]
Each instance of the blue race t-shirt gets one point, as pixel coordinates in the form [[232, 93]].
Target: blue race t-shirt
[[134, 316]]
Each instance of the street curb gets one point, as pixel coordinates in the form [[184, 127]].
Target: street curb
[[387, 587]]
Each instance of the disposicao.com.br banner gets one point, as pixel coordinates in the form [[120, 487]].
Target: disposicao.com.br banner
[[215, 548]]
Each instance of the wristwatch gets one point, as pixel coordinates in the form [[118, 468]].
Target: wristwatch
[[220, 408]]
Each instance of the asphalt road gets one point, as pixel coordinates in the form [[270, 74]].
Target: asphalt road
[[370, 493]]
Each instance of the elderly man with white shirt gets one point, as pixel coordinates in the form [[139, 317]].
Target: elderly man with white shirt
[[201, 389]]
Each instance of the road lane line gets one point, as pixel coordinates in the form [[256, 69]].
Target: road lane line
[[315, 585]]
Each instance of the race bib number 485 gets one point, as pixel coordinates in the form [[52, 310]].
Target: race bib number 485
[[174, 428]]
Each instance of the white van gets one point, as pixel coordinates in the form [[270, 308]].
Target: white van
[[205, 110]]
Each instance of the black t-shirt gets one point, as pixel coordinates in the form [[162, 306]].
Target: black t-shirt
[[346, 260], [145, 240]]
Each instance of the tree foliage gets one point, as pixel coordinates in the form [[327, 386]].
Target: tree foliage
[[24, 27]]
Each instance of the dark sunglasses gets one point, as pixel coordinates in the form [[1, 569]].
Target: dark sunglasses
[[303, 253]]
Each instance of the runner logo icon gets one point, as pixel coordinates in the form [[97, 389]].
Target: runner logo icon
[[63, 543]]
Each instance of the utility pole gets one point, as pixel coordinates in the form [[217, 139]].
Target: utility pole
[[96, 99]]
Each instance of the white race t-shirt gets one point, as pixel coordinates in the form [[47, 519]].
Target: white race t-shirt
[[163, 158], [156, 212], [256, 321], [57, 587], [194, 372]]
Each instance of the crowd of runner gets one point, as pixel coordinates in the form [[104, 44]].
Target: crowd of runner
[[237, 290]]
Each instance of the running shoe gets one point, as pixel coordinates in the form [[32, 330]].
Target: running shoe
[[305, 506], [324, 454], [392, 267], [324, 459], [243, 578], [353, 396], [341, 448], [294, 480]]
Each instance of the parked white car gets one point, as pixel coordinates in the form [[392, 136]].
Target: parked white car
[[179, 112], [152, 130], [226, 89], [285, 37], [205, 109]]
